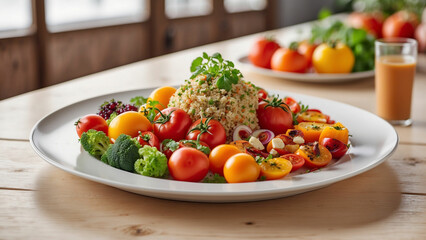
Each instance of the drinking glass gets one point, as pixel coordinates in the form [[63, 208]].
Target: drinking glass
[[394, 76]]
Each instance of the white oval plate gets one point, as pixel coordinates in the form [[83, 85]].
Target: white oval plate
[[373, 140], [306, 77]]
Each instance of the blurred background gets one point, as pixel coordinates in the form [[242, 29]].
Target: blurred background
[[45, 42]]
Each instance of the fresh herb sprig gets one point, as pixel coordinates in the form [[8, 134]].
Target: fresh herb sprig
[[150, 111], [138, 101], [303, 108], [215, 66]]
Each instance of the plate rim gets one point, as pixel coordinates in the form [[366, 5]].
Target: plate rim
[[306, 77], [186, 192]]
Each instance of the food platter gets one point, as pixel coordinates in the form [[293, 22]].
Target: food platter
[[305, 77], [54, 139]]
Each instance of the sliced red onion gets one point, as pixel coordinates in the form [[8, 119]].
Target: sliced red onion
[[242, 132], [264, 135]]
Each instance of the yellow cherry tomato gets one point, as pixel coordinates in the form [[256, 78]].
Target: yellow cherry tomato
[[129, 123], [162, 95], [333, 58], [275, 168], [240, 168], [219, 155]]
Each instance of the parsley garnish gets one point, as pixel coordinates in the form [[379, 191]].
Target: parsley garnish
[[138, 101], [337, 127], [216, 178], [303, 108], [216, 67]]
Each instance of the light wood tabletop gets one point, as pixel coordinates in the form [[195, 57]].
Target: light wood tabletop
[[40, 201]]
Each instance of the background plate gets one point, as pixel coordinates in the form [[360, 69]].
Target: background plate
[[373, 140], [306, 77]]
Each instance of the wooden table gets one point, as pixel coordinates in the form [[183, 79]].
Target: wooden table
[[39, 201]]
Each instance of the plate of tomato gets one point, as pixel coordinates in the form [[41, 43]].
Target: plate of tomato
[[308, 76], [308, 61], [373, 140]]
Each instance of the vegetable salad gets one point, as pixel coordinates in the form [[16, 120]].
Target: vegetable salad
[[164, 142]]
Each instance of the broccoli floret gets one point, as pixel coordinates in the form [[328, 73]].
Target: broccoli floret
[[152, 163], [95, 142], [122, 154]]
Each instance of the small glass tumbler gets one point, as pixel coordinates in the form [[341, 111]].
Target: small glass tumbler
[[394, 77]]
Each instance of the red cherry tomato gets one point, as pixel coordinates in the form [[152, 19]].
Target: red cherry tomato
[[261, 52], [171, 123], [400, 24], [294, 106], [275, 116], [281, 151], [336, 147], [211, 132], [262, 94], [188, 164], [148, 138], [420, 36], [371, 22], [91, 121], [296, 160]]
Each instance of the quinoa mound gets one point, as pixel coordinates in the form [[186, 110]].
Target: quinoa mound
[[201, 98]]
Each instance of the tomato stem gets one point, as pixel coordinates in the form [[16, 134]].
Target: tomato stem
[[276, 102], [293, 46], [163, 118], [202, 127], [332, 43]]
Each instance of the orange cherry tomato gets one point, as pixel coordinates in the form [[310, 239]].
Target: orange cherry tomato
[[307, 49], [162, 95], [275, 168], [219, 155], [311, 130], [240, 168], [315, 156], [288, 60], [336, 131], [129, 123]]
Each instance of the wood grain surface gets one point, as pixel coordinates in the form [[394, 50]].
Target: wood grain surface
[[39, 201]]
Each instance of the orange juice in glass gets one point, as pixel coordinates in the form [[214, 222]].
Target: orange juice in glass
[[394, 77]]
